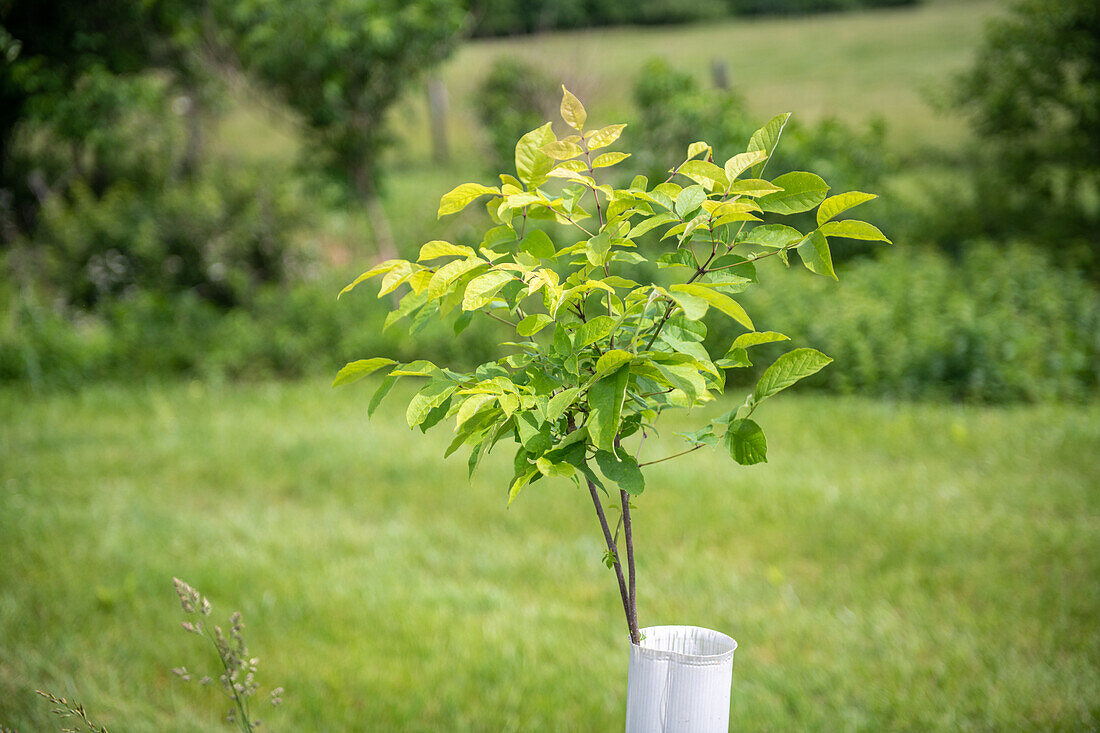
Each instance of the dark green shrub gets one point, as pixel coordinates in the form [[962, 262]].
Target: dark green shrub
[[1000, 325], [674, 112], [216, 237]]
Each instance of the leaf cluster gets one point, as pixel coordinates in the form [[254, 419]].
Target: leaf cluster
[[594, 356]]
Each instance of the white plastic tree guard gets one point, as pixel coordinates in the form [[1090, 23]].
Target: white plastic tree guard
[[679, 681]]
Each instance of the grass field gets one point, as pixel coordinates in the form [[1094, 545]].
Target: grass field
[[895, 566]]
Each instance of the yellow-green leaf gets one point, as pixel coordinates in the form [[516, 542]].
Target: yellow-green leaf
[[356, 370], [379, 269], [754, 338], [816, 256], [561, 150], [532, 164], [482, 288], [754, 187], [461, 196], [532, 324], [721, 301], [604, 136], [801, 192], [739, 163], [705, 172], [788, 369], [608, 159], [612, 360], [766, 138], [572, 111], [835, 205], [853, 229], [605, 406], [438, 248]]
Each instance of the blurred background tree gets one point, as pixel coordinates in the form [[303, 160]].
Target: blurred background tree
[[1033, 98], [340, 65]]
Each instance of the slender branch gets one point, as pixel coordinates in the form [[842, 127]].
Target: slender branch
[[674, 455], [502, 320], [623, 594], [668, 311], [578, 226], [632, 611]]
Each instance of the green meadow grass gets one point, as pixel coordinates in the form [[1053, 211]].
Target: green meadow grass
[[895, 566], [853, 65]]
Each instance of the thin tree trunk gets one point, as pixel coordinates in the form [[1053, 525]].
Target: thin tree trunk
[[437, 112], [363, 184], [192, 152], [628, 538], [631, 622]]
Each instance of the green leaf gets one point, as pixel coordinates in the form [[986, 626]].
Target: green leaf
[[379, 269], [592, 331], [754, 187], [836, 205], [597, 248], [393, 279], [788, 369], [853, 229], [801, 192], [683, 377], [612, 360], [756, 338], [446, 275], [605, 405], [532, 164], [622, 468], [689, 199], [532, 324], [699, 146], [678, 257], [550, 469], [746, 443], [521, 481], [534, 437], [604, 136], [438, 248], [560, 402], [380, 393], [481, 289], [766, 138], [356, 370], [470, 407], [739, 163], [461, 196], [609, 159], [703, 436], [572, 111], [693, 306], [418, 368], [645, 225], [721, 301], [775, 236], [705, 172], [815, 255], [561, 150], [537, 244], [432, 395]]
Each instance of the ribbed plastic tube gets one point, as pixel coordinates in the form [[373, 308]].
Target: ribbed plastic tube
[[679, 681]]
